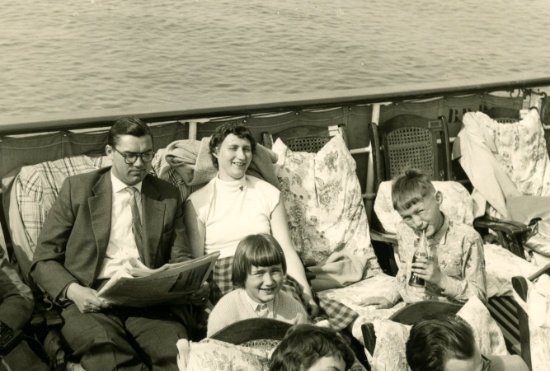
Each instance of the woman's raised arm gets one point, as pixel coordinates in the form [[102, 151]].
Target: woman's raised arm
[[279, 229]]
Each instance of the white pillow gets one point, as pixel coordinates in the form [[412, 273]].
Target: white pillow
[[501, 265]]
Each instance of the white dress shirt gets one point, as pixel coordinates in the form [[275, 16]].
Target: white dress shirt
[[122, 245]]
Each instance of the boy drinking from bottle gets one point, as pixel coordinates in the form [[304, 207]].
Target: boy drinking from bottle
[[449, 255]]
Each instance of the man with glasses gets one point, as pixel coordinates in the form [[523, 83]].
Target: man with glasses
[[101, 222]]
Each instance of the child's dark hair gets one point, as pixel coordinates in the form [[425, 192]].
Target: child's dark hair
[[223, 131], [434, 341], [304, 344], [410, 188], [260, 250]]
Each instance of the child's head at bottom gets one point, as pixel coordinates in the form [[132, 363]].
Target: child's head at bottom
[[307, 347], [259, 266]]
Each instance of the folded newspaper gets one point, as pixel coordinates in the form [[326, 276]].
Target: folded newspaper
[[140, 286]]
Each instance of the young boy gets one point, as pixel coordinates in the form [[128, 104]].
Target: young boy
[[448, 344], [259, 270], [455, 267], [311, 348]]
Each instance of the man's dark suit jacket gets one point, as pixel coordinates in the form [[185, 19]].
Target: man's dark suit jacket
[[74, 238]]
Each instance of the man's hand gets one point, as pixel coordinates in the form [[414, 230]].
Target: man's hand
[[378, 301], [428, 269], [86, 299]]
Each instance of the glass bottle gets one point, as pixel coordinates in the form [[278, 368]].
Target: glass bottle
[[421, 251]]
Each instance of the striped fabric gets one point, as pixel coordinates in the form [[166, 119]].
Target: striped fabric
[[339, 315], [136, 220]]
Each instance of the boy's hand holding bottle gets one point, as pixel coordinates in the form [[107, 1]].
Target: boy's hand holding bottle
[[425, 267]]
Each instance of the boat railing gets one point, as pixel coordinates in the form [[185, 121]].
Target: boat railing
[[369, 96]]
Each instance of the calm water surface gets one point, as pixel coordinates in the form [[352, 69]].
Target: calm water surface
[[63, 56]]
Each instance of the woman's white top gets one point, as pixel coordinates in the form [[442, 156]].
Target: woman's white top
[[233, 210]]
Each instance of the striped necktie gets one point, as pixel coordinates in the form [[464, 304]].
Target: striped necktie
[[136, 220]]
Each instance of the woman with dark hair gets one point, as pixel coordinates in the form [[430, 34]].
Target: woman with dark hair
[[234, 205]]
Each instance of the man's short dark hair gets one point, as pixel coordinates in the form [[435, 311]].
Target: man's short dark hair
[[223, 131], [127, 126], [433, 342], [305, 344]]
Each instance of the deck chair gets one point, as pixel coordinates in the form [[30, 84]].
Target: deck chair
[[503, 308], [243, 345], [32, 193], [407, 141], [410, 141], [521, 288], [307, 138], [410, 315], [266, 333], [388, 344], [253, 332]]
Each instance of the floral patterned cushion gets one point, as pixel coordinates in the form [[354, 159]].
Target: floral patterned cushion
[[215, 355], [391, 337], [322, 198], [457, 204], [389, 352], [487, 333], [501, 265], [521, 150]]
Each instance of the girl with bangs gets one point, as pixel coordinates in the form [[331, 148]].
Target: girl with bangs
[[258, 272]]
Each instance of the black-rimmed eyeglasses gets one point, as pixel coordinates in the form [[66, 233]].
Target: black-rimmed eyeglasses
[[131, 157]]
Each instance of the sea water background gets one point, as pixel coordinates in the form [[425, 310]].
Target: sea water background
[[69, 56]]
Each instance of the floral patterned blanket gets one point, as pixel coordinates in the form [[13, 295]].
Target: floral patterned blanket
[[504, 160]]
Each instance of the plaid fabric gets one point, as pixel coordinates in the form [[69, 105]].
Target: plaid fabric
[[339, 315], [163, 171], [37, 187], [221, 279]]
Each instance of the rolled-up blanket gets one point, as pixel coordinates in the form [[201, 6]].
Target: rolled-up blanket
[[196, 153]]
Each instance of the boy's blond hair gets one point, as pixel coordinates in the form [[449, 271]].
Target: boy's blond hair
[[410, 188]]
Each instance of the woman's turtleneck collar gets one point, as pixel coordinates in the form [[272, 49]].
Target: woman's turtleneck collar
[[232, 185]]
